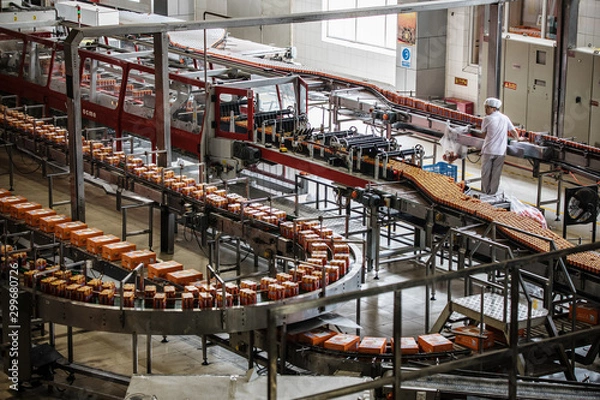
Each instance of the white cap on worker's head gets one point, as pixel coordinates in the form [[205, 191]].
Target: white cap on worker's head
[[493, 102]]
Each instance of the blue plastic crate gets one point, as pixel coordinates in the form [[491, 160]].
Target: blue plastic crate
[[443, 169]]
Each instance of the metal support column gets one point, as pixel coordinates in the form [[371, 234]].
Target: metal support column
[[167, 230], [75, 143], [149, 354], [566, 38], [162, 109], [495, 49], [272, 355], [397, 350], [135, 354], [70, 344], [373, 232]]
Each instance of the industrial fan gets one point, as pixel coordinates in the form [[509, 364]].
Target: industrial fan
[[581, 207]]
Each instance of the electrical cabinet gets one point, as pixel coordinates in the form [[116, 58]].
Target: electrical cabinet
[[528, 82], [514, 85], [578, 93]]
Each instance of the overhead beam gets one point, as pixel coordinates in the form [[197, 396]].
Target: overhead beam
[[296, 18]]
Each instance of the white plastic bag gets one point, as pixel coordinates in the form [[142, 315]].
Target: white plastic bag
[[526, 210], [450, 146]]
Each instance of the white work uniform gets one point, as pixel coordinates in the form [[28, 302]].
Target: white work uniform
[[496, 127]]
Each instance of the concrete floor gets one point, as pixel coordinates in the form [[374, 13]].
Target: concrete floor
[[183, 354]]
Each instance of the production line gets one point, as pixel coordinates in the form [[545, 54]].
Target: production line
[[374, 171]]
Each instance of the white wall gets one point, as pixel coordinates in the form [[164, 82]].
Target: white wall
[[457, 57], [588, 32]]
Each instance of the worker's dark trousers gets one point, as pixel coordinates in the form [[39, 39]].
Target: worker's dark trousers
[[491, 170]]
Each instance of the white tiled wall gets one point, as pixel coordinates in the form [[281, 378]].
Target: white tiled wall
[[588, 32], [457, 57], [183, 9], [314, 52]]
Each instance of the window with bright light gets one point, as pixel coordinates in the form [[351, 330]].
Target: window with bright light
[[378, 31]]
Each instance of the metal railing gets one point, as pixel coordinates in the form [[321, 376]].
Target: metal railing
[[277, 313]]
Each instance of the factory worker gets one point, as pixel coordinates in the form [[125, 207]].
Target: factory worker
[[495, 128]]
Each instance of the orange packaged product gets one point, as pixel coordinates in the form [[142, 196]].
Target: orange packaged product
[[265, 281], [372, 345], [333, 273], [7, 201], [316, 246], [308, 269], [228, 297], [467, 336], [64, 275], [316, 261], [184, 277], [32, 217], [206, 288], [434, 343], [309, 225], [107, 297], [77, 279], [279, 214], [188, 191], [341, 248], [128, 299], [58, 287], [85, 294], [283, 277], [28, 277], [304, 237], [129, 287], [297, 274], [5, 193], [159, 301], [287, 229], [187, 301], [310, 283], [45, 284], [170, 294], [193, 290], [132, 259], [220, 192], [586, 313], [342, 342], [319, 275], [247, 297], [343, 256], [276, 292], [161, 269], [149, 293], [71, 291], [198, 194], [316, 337], [177, 186], [205, 300], [248, 284], [18, 211], [341, 264], [408, 345], [208, 189], [291, 289], [232, 288], [324, 233], [94, 244], [79, 237], [95, 284], [113, 251], [63, 231]]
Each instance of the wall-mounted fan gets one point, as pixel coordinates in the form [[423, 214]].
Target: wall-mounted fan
[[581, 207]]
